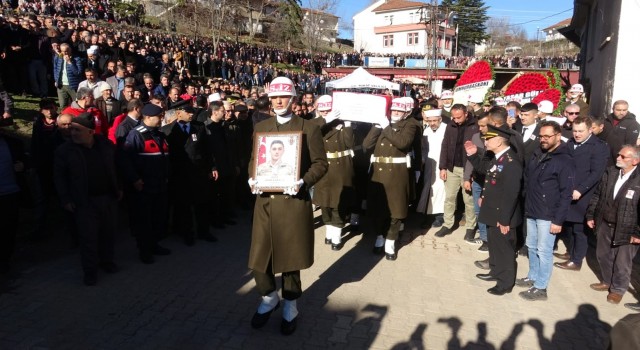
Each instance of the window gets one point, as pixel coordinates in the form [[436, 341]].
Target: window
[[412, 38], [388, 20], [413, 18], [387, 40]]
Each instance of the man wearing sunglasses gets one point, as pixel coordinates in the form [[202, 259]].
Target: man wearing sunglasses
[[571, 111], [613, 214]]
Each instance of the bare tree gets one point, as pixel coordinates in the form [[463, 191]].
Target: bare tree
[[253, 11], [317, 22], [503, 34], [218, 12]]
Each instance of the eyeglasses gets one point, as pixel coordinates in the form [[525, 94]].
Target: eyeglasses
[[623, 156], [546, 137], [572, 113]]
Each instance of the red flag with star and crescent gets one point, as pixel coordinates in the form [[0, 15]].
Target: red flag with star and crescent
[[262, 151]]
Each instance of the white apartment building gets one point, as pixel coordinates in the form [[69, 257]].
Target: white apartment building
[[398, 26], [552, 32]]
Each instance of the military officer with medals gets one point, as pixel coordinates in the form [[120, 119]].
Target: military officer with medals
[[389, 191], [334, 193], [282, 235], [499, 205]]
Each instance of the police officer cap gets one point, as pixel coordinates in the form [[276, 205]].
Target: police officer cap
[[184, 105], [497, 131], [85, 119], [151, 110]]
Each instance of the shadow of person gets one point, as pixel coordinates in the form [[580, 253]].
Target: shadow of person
[[482, 342], [537, 325], [455, 324], [510, 342], [415, 341], [350, 267], [585, 330], [334, 318]]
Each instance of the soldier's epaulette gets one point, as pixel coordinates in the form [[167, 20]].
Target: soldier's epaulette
[[141, 129]]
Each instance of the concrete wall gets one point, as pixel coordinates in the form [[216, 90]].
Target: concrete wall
[[627, 78], [598, 68]]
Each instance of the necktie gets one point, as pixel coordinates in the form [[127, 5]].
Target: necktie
[[184, 128], [524, 132]]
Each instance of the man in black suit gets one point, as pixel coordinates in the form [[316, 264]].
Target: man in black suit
[[192, 170], [590, 155], [529, 130], [499, 206]]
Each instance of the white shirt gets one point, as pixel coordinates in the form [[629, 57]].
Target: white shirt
[[621, 180], [526, 134], [283, 119], [581, 143], [498, 155]]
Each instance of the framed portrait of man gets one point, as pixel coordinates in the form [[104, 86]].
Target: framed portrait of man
[[277, 162]]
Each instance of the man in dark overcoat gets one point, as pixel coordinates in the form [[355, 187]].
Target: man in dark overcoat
[[590, 155], [85, 178], [192, 169], [282, 234]]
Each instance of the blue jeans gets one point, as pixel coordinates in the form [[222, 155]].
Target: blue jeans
[[540, 245], [476, 190]]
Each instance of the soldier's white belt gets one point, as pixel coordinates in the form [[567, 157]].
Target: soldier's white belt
[[334, 155], [392, 160]]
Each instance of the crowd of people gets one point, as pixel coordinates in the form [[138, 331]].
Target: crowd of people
[[135, 122]]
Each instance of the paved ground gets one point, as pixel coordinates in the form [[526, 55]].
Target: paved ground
[[203, 297]]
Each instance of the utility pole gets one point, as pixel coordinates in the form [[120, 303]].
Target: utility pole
[[429, 16], [539, 42]]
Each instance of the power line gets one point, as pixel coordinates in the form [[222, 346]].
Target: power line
[[542, 19]]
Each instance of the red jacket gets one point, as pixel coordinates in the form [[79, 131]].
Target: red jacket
[[112, 130], [102, 124]]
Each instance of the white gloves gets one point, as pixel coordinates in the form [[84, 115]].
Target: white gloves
[[333, 115], [347, 124], [293, 189], [383, 122], [254, 188]]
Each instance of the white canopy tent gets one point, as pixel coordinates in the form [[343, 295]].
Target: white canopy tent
[[361, 79]]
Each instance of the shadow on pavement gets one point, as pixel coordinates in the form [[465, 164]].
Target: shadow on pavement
[[584, 331]]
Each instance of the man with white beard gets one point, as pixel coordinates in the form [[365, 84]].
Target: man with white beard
[[432, 196]]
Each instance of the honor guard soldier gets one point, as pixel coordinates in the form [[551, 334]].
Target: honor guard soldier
[[192, 169], [147, 171], [282, 234], [499, 205], [447, 103], [389, 190], [334, 193]]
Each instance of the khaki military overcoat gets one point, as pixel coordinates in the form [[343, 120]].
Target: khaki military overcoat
[[282, 233]]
